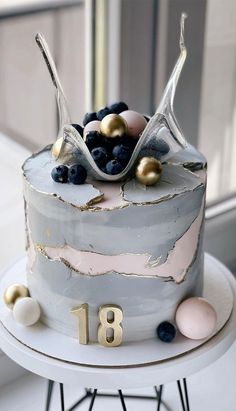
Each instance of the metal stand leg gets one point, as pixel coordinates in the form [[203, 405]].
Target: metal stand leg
[[183, 398], [122, 400], [62, 397], [159, 396], [186, 394], [93, 399], [181, 395], [93, 394], [87, 394], [49, 394]]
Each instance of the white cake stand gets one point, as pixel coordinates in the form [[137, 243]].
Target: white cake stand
[[176, 368]]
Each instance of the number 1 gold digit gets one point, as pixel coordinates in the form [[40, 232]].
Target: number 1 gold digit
[[81, 312]]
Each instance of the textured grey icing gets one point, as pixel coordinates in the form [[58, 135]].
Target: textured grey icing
[[151, 229], [53, 222], [175, 180], [38, 169], [145, 302], [189, 155]]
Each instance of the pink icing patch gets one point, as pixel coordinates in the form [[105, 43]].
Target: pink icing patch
[[176, 265], [112, 195]]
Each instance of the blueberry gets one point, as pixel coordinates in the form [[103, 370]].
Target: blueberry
[[162, 146], [100, 156], [93, 139], [77, 174], [117, 108], [122, 154], [78, 128], [89, 117], [166, 331], [60, 174], [103, 113], [114, 167], [110, 143], [130, 142]]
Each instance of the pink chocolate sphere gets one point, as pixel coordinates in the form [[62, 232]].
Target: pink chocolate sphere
[[92, 126], [196, 318], [136, 122]]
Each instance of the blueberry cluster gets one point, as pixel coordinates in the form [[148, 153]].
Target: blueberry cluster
[[110, 154], [75, 174], [115, 108]]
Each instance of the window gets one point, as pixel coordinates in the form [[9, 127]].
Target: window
[[23, 73], [125, 49]]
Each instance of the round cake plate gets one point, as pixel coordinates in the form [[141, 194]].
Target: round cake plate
[[39, 338]]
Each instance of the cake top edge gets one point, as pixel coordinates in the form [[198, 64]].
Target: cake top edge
[[96, 195]]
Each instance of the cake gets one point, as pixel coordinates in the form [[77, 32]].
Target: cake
[[137, 247], [114, 247]]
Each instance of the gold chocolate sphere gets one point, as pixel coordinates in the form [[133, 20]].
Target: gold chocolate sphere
[[13, 292], [56, 148], [113, 125], [148, 171]]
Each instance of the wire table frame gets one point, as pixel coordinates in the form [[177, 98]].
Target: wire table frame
[[92, 394]]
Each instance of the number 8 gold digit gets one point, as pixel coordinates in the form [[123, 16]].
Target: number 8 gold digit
[[110, 330]]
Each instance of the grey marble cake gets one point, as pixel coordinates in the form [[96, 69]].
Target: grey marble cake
[[122, 243]]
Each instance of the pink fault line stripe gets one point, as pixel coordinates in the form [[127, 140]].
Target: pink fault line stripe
[[176, 265]]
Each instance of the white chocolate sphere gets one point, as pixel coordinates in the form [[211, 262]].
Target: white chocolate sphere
[[92, 126], [26, 311], [135, 121], [196, 318]]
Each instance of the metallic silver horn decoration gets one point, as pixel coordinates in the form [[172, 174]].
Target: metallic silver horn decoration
[[162, 129]]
